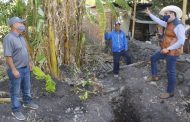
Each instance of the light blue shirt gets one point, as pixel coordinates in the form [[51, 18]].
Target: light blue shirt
[[179, 30]]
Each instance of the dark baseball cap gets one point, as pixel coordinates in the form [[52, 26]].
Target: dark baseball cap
[[14, 20]]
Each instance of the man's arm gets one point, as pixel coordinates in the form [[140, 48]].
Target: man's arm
[[156, 19], [11, 65], [107, 36], [7, 46]]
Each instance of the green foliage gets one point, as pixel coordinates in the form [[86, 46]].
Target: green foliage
[[101, 14], [84, 96], [40, 75], [90, 16], [123, 3], [36, 20], [86, 83], [3, 31], [40, 58], [101, 17], [84, 92], [20, 8], [112, 7], [6, 11], [50, 84]]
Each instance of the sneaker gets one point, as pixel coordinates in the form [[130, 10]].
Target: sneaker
[[31, 105], [18, 115], [116, 76]]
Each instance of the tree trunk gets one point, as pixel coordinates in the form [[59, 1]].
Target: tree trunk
[[64, 25], [51, 38]]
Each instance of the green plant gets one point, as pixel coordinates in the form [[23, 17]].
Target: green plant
[[101, 18], [86, 83], [81, 89], [101, 5], [50, 84], [40, 58], [84, 96], [40, 75]]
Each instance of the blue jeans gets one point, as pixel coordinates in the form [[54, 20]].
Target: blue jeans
[[116, 60], [171, 69], [16, 84]]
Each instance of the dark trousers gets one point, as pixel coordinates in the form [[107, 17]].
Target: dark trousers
[[116, 60], [171, 68]]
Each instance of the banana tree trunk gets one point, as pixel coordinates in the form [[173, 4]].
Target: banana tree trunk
[[52, 48], [80, 36], [51, 38]]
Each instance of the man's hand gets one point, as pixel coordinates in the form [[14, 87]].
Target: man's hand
[[164, 51], [10, 63], [126, 50], [16, 73], [31, 66], [147, 11]]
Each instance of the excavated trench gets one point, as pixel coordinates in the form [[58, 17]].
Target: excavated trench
[[123, 108]]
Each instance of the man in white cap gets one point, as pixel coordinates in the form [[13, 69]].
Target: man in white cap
[[119, 47], [18, 67], [171, 47]]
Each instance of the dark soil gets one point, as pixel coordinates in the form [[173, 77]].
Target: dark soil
[[130, 99], [62, 106], [52, 106]]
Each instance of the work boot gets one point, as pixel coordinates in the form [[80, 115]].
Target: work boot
[[18, 115], [166, 95], [155, 78]]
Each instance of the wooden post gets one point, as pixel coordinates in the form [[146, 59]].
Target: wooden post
[[5, 100], [184, 11], [134, 18]]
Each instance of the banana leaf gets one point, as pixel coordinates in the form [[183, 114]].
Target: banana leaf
[[101, 17], [111, 7]]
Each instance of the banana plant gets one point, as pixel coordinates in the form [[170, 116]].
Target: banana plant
[[101, 18], [100, 7], [40, 75]]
